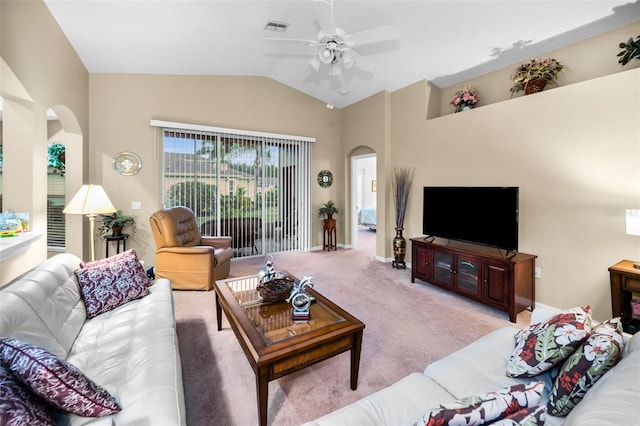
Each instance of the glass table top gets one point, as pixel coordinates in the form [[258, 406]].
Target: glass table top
[[273, 320]]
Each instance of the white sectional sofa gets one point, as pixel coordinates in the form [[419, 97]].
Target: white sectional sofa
[[131, 351], [479, 368]]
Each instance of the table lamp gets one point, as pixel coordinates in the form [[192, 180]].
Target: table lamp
[[90, 200], [633, 226]]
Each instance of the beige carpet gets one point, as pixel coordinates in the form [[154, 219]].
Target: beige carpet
[[407, 327]]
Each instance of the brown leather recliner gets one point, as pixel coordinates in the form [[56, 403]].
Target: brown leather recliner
[[188, 260]]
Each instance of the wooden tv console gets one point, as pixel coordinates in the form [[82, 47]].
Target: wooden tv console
[[480, 273]]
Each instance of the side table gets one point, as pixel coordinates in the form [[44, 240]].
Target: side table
[[625, 281], [330, 238], [117, 239]]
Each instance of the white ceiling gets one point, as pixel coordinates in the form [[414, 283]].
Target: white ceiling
[[445, 42]]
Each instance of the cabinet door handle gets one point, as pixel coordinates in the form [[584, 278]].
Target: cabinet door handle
[[454, 271]]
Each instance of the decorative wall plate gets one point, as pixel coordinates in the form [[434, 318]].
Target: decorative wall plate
[[127, 163], [325, 178]]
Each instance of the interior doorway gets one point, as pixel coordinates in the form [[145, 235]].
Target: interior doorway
[[364, 195]]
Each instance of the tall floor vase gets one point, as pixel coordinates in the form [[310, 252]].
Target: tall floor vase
[[399, 250]]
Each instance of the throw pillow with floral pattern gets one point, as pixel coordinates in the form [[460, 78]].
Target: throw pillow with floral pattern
[[485, 408], [601, 352], [534, 416], [542, 346]]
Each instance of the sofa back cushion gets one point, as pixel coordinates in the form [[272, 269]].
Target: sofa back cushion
[[43, 305]]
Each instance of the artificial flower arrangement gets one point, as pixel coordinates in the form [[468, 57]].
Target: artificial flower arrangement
[[467, 97], [533, 76]]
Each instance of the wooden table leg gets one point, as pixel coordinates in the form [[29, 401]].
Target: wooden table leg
[[355, 359], [262, 391], [218, 312]]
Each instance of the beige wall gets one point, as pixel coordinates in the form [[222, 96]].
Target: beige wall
[[40, 70], [123, 105]]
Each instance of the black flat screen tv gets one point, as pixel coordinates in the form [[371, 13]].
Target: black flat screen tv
[[480, 215]]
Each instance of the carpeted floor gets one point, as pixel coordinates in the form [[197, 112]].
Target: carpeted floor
[[407, 327]]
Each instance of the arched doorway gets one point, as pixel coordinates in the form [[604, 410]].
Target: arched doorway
[[363, 197]]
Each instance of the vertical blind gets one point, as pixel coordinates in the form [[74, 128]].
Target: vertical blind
[[254, 187]]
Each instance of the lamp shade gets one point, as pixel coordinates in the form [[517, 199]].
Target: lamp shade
[[90, 199], [633, 222]]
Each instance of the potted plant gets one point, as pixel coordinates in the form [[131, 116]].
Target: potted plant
[[533, 76], [328, 209], [115, 222], [465, 99], [401, 185], [630, 50]]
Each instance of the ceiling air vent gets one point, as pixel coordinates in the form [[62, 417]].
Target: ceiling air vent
[[276, 26]]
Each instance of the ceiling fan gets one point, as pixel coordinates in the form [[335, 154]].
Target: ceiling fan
[[335, 47]]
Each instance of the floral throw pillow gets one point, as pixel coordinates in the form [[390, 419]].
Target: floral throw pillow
[[600, 353], [120, 257], [542, 346], [486, 408], [18, 406], [109, 284], [55, 380], [533, 416]]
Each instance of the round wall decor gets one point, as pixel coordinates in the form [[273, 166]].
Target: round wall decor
[[127, 163], [325, 178]]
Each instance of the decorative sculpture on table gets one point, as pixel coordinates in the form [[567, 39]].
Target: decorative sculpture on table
[[300, 300]]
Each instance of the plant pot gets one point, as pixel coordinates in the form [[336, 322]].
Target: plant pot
[[399, 250], [116, 231], [534, 86]]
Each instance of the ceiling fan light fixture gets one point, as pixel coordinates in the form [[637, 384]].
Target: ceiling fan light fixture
[[348, 58], [326, 55], [335, 69]]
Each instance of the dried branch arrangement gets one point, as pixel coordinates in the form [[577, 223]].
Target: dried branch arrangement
[[401, 185]]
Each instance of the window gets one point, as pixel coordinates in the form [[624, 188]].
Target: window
[[55, 197], [251, 186]]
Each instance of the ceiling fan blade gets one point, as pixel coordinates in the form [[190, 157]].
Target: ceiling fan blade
[[374, 35], [294, 40]]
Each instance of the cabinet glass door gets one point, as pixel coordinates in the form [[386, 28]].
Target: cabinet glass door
[[468, 274], [442, 270]]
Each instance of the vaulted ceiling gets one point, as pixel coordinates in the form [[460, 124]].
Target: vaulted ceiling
[[445, 42]]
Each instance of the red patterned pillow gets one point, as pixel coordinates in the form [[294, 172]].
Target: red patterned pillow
[[55, 380], [486, 408], [112, 282], [18, 406], [540, 347], [600, 353], [527, 416]]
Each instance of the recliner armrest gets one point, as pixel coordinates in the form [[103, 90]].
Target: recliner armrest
[[186, 250], [217, 242]]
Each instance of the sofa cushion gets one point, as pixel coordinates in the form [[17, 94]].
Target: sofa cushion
[[132, 351], [55, 380], [114, 281], [43, 306], [18, 405], [399, 404], [540, 347], [480, 366], [484, 408], [596, 356], [527, 416]]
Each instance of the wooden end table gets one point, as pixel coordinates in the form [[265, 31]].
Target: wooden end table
[[274, 344]]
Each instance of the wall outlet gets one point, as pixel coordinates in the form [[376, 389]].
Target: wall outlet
[[538, 272], [136, 205]]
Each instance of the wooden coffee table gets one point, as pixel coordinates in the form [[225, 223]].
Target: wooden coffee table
[[274, 344]]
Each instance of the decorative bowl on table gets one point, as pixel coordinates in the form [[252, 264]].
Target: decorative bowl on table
[[275, 288]]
